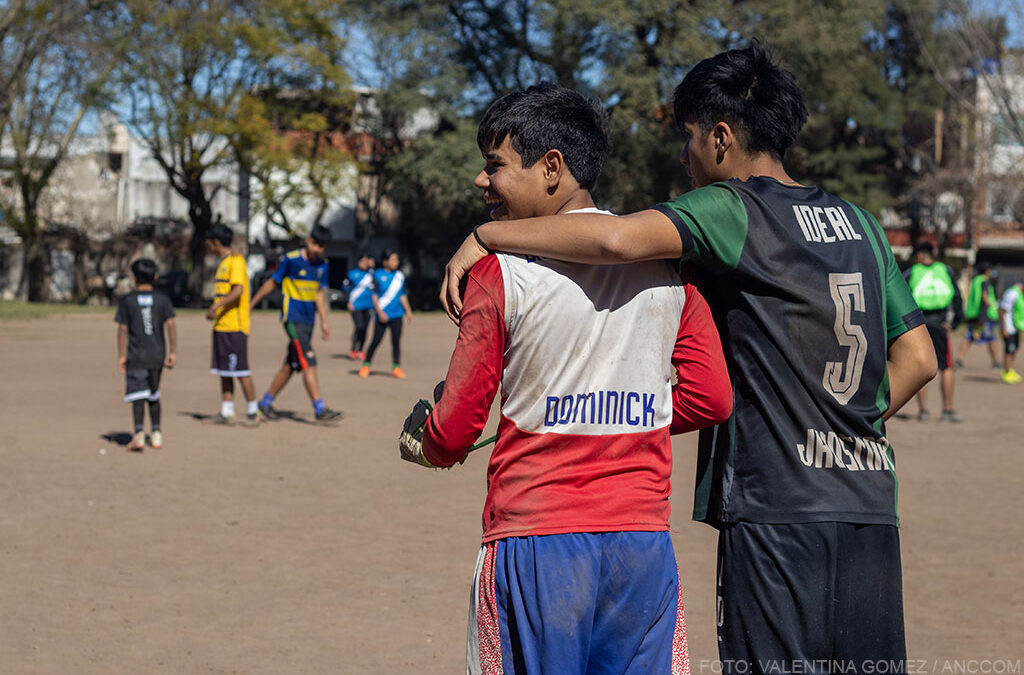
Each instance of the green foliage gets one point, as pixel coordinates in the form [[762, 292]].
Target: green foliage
[[55, 61], [193, 73], [432, 186], [866, 67]]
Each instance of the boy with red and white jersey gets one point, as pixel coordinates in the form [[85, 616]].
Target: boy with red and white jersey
[[577, 566]]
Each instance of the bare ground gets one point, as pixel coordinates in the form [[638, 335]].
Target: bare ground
[[294, 548]]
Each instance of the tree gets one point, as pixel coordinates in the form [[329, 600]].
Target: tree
[[55, 62], [299, 166], [462, 55], [194, 64]]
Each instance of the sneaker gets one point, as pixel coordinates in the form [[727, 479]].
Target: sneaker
[[156, 440], [221, 418], [398, 372], [252, 419], [364, 371], [353, 355], [1011, 376], [923, 416], [138, 441], [267, 410], [952, 416], [326, 415], [360, 356], [959, 363]]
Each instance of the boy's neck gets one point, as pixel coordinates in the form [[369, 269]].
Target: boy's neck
[[766, 166], [578, 199], [143, 287]]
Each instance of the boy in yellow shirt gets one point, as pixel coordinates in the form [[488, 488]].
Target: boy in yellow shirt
[[230, 315]]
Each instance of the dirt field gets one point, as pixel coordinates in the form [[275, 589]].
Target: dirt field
[[293, 548]]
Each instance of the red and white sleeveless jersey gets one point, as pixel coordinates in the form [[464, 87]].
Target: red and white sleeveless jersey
[[585, 356]]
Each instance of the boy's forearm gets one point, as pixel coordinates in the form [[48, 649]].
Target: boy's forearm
[[122, 341], [321, 305], [911, 364], [234, 294], [594, 238], [263, 292], [172, 336]]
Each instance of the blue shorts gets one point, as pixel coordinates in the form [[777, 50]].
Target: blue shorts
[[981, 331], [577, 603]]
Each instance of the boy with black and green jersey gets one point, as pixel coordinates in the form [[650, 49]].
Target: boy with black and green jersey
[[823, 341], [805, 292]]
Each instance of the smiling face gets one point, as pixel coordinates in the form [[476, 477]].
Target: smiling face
[[512, 191]]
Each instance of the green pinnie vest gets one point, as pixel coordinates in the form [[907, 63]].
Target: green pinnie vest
[[931, 286], [972, 308]]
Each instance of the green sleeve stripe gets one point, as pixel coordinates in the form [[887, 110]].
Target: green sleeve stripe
[[867, 223], [875, 236], [715, 219]]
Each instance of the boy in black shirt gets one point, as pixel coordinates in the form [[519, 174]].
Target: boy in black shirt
[[142, 316]]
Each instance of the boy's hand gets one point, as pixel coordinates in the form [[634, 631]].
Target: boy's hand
[[382, 316], [122, 364], [410, 441], [469, 254], [211, 313], [170, 360], [325, 330]]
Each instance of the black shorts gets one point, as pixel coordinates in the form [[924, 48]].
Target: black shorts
[[940, 340], [303, 331], [1011, 343], [142, 384], [810, 598], [230, 354]]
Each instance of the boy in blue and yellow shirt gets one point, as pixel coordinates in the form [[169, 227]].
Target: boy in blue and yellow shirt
[[302, 276]]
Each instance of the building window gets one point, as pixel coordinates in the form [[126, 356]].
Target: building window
[[1005, 200]]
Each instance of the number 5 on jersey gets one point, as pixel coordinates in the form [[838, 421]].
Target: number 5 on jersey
[[842, 379]]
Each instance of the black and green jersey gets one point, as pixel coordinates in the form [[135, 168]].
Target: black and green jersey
[[806, 295]]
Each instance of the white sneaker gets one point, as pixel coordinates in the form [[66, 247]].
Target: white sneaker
[[156, 440], [138, 441]]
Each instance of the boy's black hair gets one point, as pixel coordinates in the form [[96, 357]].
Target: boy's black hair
[[320, 234], [144, 271], [924, 247], [221, 233], [982, 266], [745, 88], [549, 117]]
